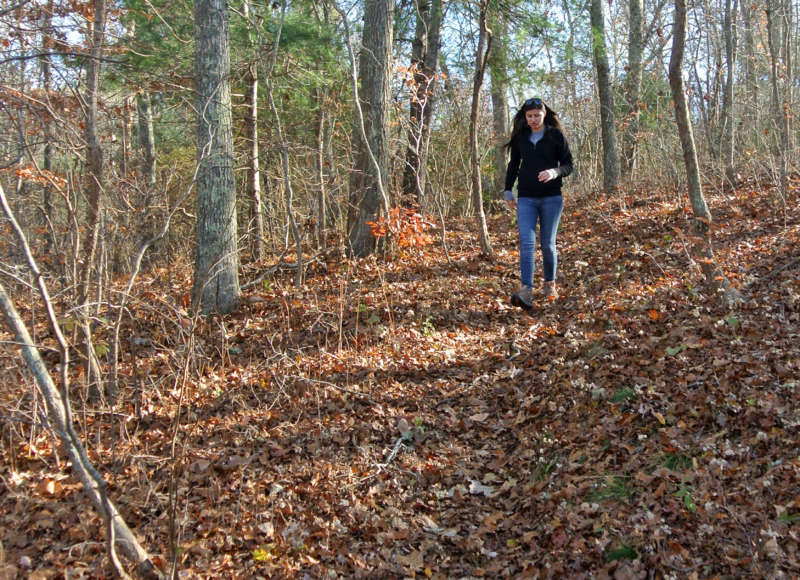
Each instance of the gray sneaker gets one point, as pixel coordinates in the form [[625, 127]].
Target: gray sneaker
[[523, 297]]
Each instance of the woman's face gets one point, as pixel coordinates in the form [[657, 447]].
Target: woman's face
[[535, 118]]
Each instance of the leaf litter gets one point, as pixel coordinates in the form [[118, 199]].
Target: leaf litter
[[398, 418]]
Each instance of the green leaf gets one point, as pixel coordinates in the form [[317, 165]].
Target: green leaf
[[673, 350], [624, 552], [685, 493], [623, 394]]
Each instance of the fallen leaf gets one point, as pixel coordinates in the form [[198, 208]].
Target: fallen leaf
[[477, 488]]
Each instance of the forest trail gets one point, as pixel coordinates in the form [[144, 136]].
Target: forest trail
[[402, 419]]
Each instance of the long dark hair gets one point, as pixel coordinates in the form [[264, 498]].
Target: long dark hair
[[550, 118]]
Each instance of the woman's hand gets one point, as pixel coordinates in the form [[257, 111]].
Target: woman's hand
[[548, 175]]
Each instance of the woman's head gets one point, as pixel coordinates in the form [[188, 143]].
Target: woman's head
[[534, 114]]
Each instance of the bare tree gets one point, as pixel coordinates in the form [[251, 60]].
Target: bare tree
[[749, 24], [498, 75], [633, 83], [729, 27], [320, 223], [481, 58], [702, 247], [253, 169], [256, 225], [147, 166], [94, 152], [424, 63], [777, 28], [216, 276], [284, 149], [94, 188], [371, 137], [606, 95]]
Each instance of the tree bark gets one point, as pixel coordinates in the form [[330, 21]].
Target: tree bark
[[253, 170], [147, 142], [216, 276], [372, 108], [424, 61], [791, 87], [94, 152], [498, 76], [47, 78], [93, 187], [750, 22], [606, 97], [702, 248], [284, 149], [320, 223], [776, 17], [571, 49], [633, 83], [481, 58], [430, 66], [730, 24], [413, 181], [147, 165]]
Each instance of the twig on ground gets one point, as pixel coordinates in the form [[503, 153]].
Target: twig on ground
[[334, 386]]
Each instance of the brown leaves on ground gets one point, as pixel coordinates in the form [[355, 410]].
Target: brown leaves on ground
[[401, 419]]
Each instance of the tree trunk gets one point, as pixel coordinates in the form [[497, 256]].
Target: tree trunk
[[791, 87], [702, 248], [430, 66], [47, 83], [606, 97], [750, 22], [729, 27], [413, 181], [284, 149], [498, 76], [94, 153], [320, 223], [147, 142], [780, 108], [147, 157], [253, 169], [127, 133], [372, 108], [633, 83], [424, 60], [216, 276], [93, 188], [570, 48], [481, 58]]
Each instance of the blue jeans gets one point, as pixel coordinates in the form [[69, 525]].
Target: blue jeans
[[547, 211]]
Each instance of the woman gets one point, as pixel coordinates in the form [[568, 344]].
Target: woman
[[540, 157]]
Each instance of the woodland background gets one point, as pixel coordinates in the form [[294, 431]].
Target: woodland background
[[268, 330]]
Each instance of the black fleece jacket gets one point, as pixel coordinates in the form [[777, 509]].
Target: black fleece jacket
[[528, 160]]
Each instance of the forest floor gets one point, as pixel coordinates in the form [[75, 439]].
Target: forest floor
[[398, 418]]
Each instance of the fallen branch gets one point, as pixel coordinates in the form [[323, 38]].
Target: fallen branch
[[93, 484], [59, 416]]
